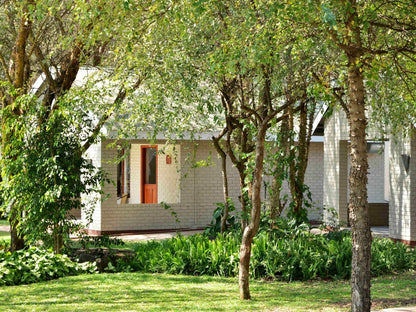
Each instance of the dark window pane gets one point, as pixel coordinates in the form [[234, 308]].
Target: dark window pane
[[150, 165]]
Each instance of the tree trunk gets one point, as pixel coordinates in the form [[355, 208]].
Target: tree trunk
[[224, 217], [58, 242], [276, 205], [252, 227], [223, 156], [18, 68], [244, 200], [16, 241], [358, 206], [305, 133]]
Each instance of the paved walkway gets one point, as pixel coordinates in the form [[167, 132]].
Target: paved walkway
[[157, 236], [406, 309], [380, 231], [4, 228]]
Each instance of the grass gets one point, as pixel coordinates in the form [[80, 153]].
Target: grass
[[4, 235], [159, 292]]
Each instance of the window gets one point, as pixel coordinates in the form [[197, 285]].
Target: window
[[123, 177]]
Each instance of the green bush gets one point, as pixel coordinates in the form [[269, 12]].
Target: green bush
[[285, 253], [214, 228], [388, 256], [35, 265], [100, 241], [195, 255], [4, 244]]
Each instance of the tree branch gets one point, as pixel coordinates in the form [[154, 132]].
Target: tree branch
[[6, 70], [45, 68], [116, 103]]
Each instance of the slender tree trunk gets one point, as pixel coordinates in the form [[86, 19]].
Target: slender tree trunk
[[244, 200], [224, 217], [17, 72], [276, 204], [252, 227], [58, 242], [358, 206], [223, 156], [295, 187], [299, 168], [16, 241]]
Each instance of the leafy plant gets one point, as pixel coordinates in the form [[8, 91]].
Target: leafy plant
[[35, 265], [4, 244], [105, 240], [288, 252], [215, 226]]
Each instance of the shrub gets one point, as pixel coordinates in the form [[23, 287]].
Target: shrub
[[388, 256], [4, 244], [35, 265], [287, 252], [215, 226], [100, 241]]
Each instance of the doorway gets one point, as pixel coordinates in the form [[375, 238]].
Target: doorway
[[149, 175]]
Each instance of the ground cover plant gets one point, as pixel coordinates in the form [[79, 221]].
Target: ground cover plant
[[286, 254], [164, 292], [35, 265]]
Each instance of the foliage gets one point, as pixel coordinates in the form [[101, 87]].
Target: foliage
[[330, 219], [4, 244], [173, 213], [282, 227], [388, 256], [47, 175], [99, 241], [35, 265], [215, 226], [196, 255], [288, 252]]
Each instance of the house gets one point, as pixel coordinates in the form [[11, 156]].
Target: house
[[184, 177], [392, 178], [154, 180]]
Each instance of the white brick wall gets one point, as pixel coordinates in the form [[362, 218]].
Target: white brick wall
[[193, 191], [376, 178], [193, 194], [94, 154], [336, 165], [402, 215], [314, 179]]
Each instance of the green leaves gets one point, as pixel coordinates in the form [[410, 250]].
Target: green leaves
[[36, 265], [290, 253], [328, 16], [45, 173]]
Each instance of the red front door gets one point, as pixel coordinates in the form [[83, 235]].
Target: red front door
[[149, 175]]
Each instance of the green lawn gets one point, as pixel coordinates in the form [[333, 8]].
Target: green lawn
[[4, 235], [4, 222], [158, 292]]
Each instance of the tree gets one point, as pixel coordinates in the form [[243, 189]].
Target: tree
[[364, 32], [231, 48], [292, 157], [52, 40]]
